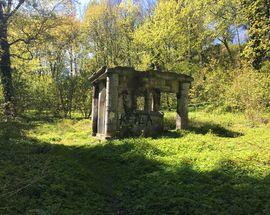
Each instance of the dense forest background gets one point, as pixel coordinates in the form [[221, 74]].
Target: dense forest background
[[48, 52]]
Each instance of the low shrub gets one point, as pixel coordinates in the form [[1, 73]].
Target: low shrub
[[242, 89], [249, 91]]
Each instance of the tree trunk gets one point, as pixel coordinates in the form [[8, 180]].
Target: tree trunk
[[5, 69], [228, 50], [238, 39]]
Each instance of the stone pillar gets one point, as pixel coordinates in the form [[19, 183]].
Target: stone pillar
[[182, 106], [111, 115], [95, 109], [133, 101], [147, 101], [156, 101]]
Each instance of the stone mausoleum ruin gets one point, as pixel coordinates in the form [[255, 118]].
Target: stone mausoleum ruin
[[117, 92]]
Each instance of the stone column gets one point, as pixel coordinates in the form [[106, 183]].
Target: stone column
[[111, 115], [147, 101], [95, 109], [133, 101], [156, 101], [182, 106]]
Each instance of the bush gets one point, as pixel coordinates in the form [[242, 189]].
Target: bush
[[240, 89], [210, 85], [249, 92]]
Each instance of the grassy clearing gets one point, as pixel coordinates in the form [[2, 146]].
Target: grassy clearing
[[221, 165]]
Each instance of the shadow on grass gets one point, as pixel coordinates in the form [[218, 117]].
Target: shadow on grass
[[199, 127], [169, 134], [118, 178]]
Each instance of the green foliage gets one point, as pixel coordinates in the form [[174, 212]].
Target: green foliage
[[108, 32], [219, 165], [198, 38], [210, 86], [56, 79], [257, 49], [249, 91], [173, 38], [239, 89]]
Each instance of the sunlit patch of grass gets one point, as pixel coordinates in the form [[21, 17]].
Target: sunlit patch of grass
[[66, 132]]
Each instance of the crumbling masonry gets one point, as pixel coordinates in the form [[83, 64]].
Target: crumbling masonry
[[116, 92]]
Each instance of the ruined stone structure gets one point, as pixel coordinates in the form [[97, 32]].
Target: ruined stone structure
[[117, 91]]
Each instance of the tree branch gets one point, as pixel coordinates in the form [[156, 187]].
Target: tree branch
[[27, 51], [26, 41], [30, 38], [15, 9], [9, 6], [218, 15]]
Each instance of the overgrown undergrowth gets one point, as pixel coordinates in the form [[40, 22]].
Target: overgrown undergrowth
[[221, 165]]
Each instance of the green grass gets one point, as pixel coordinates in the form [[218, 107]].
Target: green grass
[[221, 165]]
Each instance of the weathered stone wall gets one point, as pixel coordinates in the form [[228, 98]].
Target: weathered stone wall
[[140, 123]]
